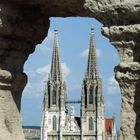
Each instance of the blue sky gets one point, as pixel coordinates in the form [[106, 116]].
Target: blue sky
[[74, 39]]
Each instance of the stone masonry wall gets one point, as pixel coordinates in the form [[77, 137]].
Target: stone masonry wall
[[19, 33], [31, 133], [23, 24]]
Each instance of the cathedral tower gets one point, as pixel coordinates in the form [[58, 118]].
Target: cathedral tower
[[58, 120], [53, 119], [92, 104]]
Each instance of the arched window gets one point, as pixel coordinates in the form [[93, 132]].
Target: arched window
[[85, 90], [91, 92], [54, 123], [90, 123], [54, 97], [48, 95], [96, 90], [96, 95]]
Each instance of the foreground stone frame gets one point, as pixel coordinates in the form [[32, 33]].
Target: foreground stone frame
[[23, 24]]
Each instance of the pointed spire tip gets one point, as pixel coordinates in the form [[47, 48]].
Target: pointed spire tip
[[92, 29], [56, 30]]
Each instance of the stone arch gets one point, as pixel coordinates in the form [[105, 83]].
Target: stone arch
[[23, 24]]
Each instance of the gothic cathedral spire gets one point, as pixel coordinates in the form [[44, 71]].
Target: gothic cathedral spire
[[54, 98], [56, 72], [92, 68], [92, 105], [60, 123]]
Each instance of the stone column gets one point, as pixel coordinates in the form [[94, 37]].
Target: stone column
[[21, 27], [126, 40]]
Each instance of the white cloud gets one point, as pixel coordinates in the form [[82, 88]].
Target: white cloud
[[46, 69], [33, 90], [112, 86], [30, 73], [45, 79], [65, 69], [85, 53], [98, 52]]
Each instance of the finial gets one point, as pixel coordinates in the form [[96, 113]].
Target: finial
[[56, 30], [92, 29]]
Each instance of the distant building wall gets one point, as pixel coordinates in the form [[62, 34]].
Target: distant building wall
[[31, 133]]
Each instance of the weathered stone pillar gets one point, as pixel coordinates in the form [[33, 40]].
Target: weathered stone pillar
[[23, 24], [21, 28], [126, 40]]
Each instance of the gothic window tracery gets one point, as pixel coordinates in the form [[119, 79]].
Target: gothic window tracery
[[90, 123], [54, 122], [48, 96], [85, 90], [96, 89], [54, 97], [91, 92], [96, 94]]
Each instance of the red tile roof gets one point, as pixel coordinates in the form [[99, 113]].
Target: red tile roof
[[108, 124]]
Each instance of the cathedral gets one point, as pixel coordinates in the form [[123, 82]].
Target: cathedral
[[59, 121]]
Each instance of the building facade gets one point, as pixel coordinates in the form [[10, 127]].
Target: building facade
[[58, 120], [31, 132]]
